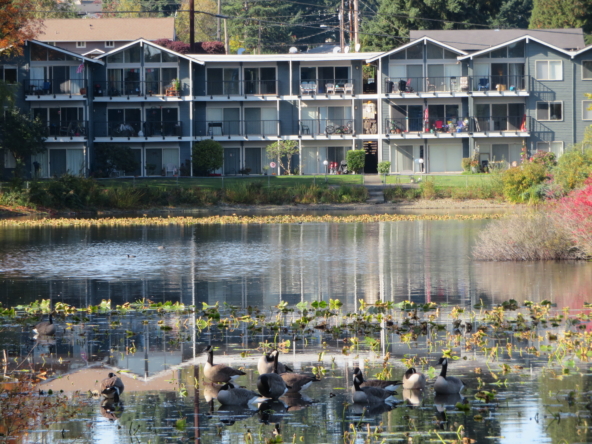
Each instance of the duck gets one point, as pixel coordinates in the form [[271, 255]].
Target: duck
[[413, 380], [112, 387], [298, 381], [230, 395], [371, 395], [219, 372], [271, 385], [390, 386], [45, 328], [265, 364], [447, 385]]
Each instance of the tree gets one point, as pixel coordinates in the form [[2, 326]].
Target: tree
[[22, 136], [205, 24], [356, 160], [111, 157], [390, 27], [513, 14], [53, 9], [561, 14], [283, 151], [17, 24], [208, 156]]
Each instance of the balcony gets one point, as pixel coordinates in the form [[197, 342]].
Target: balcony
[[51, 89], [60, 129], [241, 88], [242, 128], [457, 84], [327, 127], [135, 88], [328, 87], [434, 127], [139, 129]]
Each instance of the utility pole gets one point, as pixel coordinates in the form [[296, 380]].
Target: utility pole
[[226, 45], [341, 30], [350, 14], [191, 27], [219, 30], [356, 25]]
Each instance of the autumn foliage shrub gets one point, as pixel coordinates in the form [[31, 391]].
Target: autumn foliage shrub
[[574, 212], [520, 181]]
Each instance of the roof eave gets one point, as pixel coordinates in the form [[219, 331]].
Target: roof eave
[[65, 51]]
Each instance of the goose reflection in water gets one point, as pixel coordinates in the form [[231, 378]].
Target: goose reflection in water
[[272, 412], [111, 410], [413, 397], [296, 401], [230, 414]]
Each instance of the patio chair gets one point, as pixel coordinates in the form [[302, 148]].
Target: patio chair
[[483, 84], [170, 169], [439, 125], [330, 88], [343, 167], [348, 88], [46, 87], [304, 129], [431, 87], [304, 88], [402, 85], [464, 83]]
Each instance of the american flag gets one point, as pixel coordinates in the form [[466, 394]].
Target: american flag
[[80, 68]]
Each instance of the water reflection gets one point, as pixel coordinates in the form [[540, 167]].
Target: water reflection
[[261, 265]]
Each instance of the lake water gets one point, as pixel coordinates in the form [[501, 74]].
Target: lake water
[[256, 267]]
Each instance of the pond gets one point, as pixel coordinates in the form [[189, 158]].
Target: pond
[[262, 272]]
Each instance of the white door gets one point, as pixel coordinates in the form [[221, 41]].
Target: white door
[[445, 158]]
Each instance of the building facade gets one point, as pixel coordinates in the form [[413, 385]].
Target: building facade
[[422, 106]]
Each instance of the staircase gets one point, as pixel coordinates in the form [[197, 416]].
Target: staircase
[[375, 188]]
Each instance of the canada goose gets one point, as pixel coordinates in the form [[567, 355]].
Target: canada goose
[[412, 380], [228, 395], [271, 385], [112, 387], [390, 386], [298, 381], [211, 389], [447, 385], [160, 247], [265, 364], [371, 395], [130, 256], [45, 328], [219, 372]]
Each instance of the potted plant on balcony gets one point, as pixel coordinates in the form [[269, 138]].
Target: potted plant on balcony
[[177, 86]]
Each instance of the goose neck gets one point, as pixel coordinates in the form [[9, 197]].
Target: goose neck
[[444, 368], [211, 357]]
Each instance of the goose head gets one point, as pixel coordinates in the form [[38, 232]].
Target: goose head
[[443, 361]]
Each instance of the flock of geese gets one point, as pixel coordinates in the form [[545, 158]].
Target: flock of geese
[[277, 379]]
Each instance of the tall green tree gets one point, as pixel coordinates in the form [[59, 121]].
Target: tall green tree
[[205, 24], [390, 27], [53, 9], [22, 135], [513, 14], [562, 14]]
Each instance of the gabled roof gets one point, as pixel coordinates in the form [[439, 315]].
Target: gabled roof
[[106, 29], [414, 42], [94, 52], [65, 51], [479, 39], [581, 51], [146, 42], [526, 37]]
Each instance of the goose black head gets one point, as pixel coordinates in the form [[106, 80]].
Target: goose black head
[[110, 375], [410, 372], [443, 361]]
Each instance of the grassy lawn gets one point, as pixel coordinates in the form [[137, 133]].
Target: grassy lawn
[[453, 180], [218, 182]]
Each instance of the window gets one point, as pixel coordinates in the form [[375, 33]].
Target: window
[[81, 44], [130, 55], [587, 69], [109, 44], [586, 109], [8, 73], [554, 147], [549, 110], [549, 70]]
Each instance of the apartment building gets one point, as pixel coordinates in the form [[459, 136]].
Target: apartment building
[[423, 106]]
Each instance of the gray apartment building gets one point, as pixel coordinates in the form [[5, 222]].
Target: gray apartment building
[[423, 106]]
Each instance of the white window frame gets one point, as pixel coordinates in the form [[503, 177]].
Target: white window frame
[[4, 67], [585, 78], [550, 120], [585, 105], [547, 62], [549, 144], [81, 44], [110, 44]]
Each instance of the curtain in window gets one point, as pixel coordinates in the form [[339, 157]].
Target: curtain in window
[[41, 159], [75, 162], [170, 157], [555, 70], [76, 80]]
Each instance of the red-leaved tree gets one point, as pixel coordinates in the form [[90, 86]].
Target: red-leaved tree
[[17, 24], [574, 212]]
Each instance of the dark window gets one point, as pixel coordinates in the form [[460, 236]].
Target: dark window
[[587, 69]]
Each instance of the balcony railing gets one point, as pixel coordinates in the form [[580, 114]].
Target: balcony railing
[[326, 127], [468, 124], [238, 128], [398, 85], [136, 128], [134, 88], [66, 128], [51, 87], [240, 88], [327, 86]]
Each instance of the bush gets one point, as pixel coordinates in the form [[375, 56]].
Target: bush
[[356, 160], [520, 182], [70, 191], [428, 190], [545, 158], [208, 156], [525, 237], [110, 157], [573, 168], [466, 164], [384, 167]]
